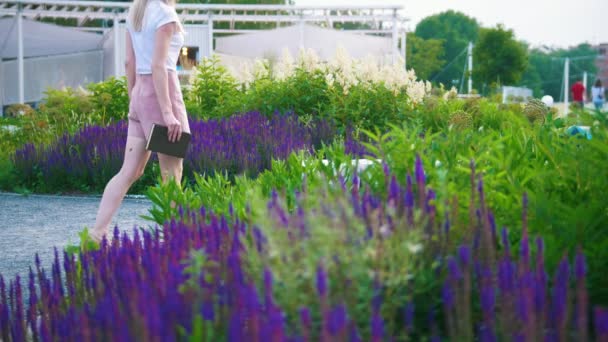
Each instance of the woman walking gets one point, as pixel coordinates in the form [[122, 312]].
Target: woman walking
[[154, 39], [597, 95]]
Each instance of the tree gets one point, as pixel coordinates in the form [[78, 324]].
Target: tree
[[424, 55], [499, 58], [456, 30], [545, 74]]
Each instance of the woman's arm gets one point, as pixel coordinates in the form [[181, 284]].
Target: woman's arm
[[160, 78], [130, 64]]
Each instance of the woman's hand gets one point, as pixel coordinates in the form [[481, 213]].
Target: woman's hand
[[175, 127]]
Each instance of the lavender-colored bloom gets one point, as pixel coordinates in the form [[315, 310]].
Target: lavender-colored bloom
[[419, 171], [337, 320], [580, 268], [560, 292], [377, 325], [354, 334], [305, 317], [464, 254], [393, 190], [488, 302], [409, 315], [506, 275], [321, 281], [601, 323], [486, 334], [454, 273], [409, 194], [447, 295]]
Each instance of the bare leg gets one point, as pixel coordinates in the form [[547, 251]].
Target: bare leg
[[170, 168], [134, 163]]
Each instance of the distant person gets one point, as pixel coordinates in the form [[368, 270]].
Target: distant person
[[153, 42], [597, 95], [578, 93]]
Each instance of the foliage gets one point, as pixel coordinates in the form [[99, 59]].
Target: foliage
[[282, 275], [87, 160], [558, 172], [425, 56], [349, 92], [456, 30], [214, 91], [545, 72], [501, 60], [110, 99]]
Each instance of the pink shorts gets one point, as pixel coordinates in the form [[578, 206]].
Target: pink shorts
[[144, 109]]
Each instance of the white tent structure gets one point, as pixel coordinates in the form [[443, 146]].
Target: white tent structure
[[271, 43], [53, 56]]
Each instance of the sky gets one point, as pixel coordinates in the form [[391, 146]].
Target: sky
[[553, 23]]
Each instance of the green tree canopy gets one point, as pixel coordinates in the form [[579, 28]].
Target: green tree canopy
[[456, 30], [499, 58], [424, 55], [545, 73]]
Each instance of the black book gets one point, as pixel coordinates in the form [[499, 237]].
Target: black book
[[159, 142]]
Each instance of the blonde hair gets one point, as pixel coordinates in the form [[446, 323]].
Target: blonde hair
[[138, 10]]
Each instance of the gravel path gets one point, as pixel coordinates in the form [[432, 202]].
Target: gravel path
[[37, 223]]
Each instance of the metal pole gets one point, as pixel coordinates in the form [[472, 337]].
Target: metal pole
[[1, 89], [585, 84], [470, 67], [395, 37], [403, 48], [20, 55], [210, 38], [566, 84], [116, 47]]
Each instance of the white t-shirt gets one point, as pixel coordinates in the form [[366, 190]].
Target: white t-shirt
[[156, 15], [595, 94]]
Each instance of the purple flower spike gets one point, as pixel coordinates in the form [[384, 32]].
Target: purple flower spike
[[580, 268], [377, 328], [601, 324], [321, 281], [409, 194], [305, 317], [337, 320], [419, 171], [447, 295], [464, 254], [454, 273], [409, 316]]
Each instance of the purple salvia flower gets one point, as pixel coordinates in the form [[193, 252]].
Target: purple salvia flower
[[506, 275], [409, 193], [393, 191], [488, 302], [560, 296], [601, 324], [492, 226], [447, 295], [454, 273], [321, 281], [581, 295], [486, 334], [306, 322], [409, 316], [354, 334], [580, 268], [337, 320], [464, 255], [420, 180], [525, 251], [377, 327]]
